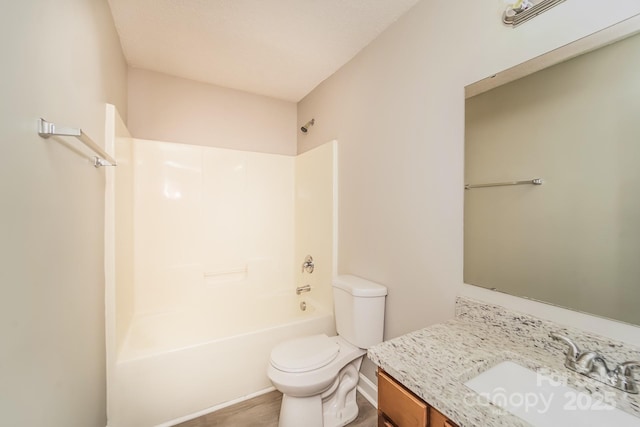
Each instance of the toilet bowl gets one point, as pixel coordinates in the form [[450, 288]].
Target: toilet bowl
[[318, 375]]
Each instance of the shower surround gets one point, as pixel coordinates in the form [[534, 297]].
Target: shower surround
[[208, 245]]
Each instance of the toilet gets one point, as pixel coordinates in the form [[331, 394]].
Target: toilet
[[318, 374]]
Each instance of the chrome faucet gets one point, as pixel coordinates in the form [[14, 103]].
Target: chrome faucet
[[302, 289], [593, 365]]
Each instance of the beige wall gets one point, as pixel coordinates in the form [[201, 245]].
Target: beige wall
[[60, 60], [166, 108], [397, 110]]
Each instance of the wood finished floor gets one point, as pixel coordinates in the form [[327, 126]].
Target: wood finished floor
[[262, 411]]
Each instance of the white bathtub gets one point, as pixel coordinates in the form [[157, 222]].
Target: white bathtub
[[177, 364]]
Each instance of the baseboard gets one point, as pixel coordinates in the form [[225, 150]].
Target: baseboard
[[215, 408], [368, 390]]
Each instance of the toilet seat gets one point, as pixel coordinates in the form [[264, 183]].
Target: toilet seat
[[304, 354]]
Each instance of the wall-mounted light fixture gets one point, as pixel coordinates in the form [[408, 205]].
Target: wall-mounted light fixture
[[523, 10], [307, 125]]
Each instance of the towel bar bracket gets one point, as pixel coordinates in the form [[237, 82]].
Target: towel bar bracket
[[47, 129]]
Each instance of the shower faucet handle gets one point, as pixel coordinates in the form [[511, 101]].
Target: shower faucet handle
[[308, 265]]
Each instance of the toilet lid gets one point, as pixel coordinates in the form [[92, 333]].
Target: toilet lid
[[304, 354]]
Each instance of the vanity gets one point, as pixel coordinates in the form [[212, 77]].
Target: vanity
[[550, 214], [398, 406], [423, 375]]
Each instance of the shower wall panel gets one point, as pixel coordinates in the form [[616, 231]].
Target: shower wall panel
[[207, 220], [315, 219]]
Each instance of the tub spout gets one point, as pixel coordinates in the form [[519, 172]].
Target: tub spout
[[303, 289]]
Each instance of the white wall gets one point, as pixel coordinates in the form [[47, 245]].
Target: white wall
[[62, 61], [398, 111], [121, 227], [167, 108], [209, 218]]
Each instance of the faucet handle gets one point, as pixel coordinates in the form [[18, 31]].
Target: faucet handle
[[624, 376], [572, 349], [308, 265], [625, 368]]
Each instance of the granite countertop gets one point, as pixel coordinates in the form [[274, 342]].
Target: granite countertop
[[435, 362]]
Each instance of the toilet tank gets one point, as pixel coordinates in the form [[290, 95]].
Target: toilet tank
[[359, 310]]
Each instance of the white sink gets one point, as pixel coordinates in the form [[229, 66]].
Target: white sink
[[542, 400]]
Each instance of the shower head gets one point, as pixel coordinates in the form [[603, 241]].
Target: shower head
[[307, 125]]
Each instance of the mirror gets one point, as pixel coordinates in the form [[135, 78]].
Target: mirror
[[573, 241]]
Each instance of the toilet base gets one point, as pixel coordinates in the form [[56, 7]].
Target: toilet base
[[301, 411], [336, 407], [343, 417], [340, 407]]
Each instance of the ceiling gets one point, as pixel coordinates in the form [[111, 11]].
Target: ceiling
[[278, 48]]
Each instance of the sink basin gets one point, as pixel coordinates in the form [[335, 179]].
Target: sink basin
[[542, 400]]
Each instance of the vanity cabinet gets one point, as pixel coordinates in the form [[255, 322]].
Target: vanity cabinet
[[398, 407], [436, 419]]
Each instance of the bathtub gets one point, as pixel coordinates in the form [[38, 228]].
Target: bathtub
[[177, 365]]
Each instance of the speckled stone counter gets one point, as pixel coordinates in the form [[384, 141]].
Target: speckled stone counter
[[435, 362]]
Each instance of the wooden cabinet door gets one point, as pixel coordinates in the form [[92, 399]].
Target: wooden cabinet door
[[436, 419], [383, 422], [398, 404]]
